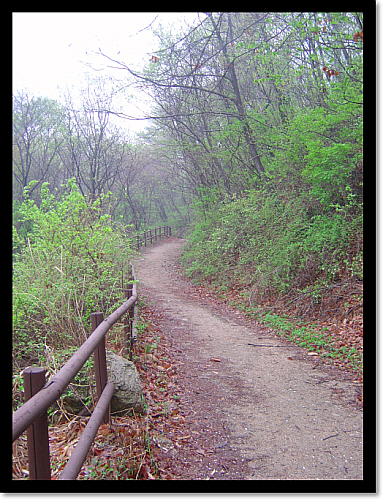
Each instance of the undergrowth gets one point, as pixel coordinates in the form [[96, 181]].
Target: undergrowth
[[69, 260], [126, 448]]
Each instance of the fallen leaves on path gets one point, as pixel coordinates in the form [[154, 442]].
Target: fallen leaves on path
[[340, 324], [131, 446]]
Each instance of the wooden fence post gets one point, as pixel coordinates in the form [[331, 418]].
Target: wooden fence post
[[99, 355], [128, 323], [131, 318], [37, 433]]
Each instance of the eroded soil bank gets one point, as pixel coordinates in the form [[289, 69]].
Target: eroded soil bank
[[260, 407]]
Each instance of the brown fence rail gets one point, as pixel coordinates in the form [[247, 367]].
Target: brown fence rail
[[152, 235], [39, 395]]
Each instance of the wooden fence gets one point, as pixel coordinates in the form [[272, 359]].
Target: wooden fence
[[40, 395], [152, 235]]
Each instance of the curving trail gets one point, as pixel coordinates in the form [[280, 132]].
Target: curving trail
[[285, 415]]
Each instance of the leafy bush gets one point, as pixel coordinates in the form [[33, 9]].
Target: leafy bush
[[273, 243], [74, 261]]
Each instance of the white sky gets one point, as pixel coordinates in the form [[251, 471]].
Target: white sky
[[48, 47]]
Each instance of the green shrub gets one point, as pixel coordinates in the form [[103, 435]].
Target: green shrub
[[273, 242], [72, 263]]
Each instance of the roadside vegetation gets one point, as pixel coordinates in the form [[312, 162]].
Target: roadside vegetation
[[69, 261], [297, 271], [253, 151]]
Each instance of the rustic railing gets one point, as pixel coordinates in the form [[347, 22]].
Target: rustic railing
[[152, 235], [39, 395]]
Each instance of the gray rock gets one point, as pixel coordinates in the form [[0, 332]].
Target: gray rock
[[127, 384], [127, 391]]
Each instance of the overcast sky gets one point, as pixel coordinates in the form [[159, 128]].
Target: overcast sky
[[48, 47]]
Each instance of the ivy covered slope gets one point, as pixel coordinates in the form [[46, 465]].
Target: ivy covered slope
[[303, 226]]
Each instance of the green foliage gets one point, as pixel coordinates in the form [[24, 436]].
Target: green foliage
[[258, 137], [72, 262], [269, 241], [310, 336]]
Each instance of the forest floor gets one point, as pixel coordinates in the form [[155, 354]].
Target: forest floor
[[237, 401]]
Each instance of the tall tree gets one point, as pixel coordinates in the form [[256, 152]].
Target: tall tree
[[94, 151], [245, 97], [37, 138]]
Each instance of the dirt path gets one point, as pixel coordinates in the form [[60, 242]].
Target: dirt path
[[266, 406]]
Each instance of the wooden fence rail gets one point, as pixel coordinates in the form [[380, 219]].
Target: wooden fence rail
[[152, 235], [39, 395], [32, 416]]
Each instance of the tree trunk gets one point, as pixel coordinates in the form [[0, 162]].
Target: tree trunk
[[255, 157]]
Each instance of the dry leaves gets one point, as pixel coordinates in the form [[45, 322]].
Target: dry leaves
[[126, 447], [339, 317]]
